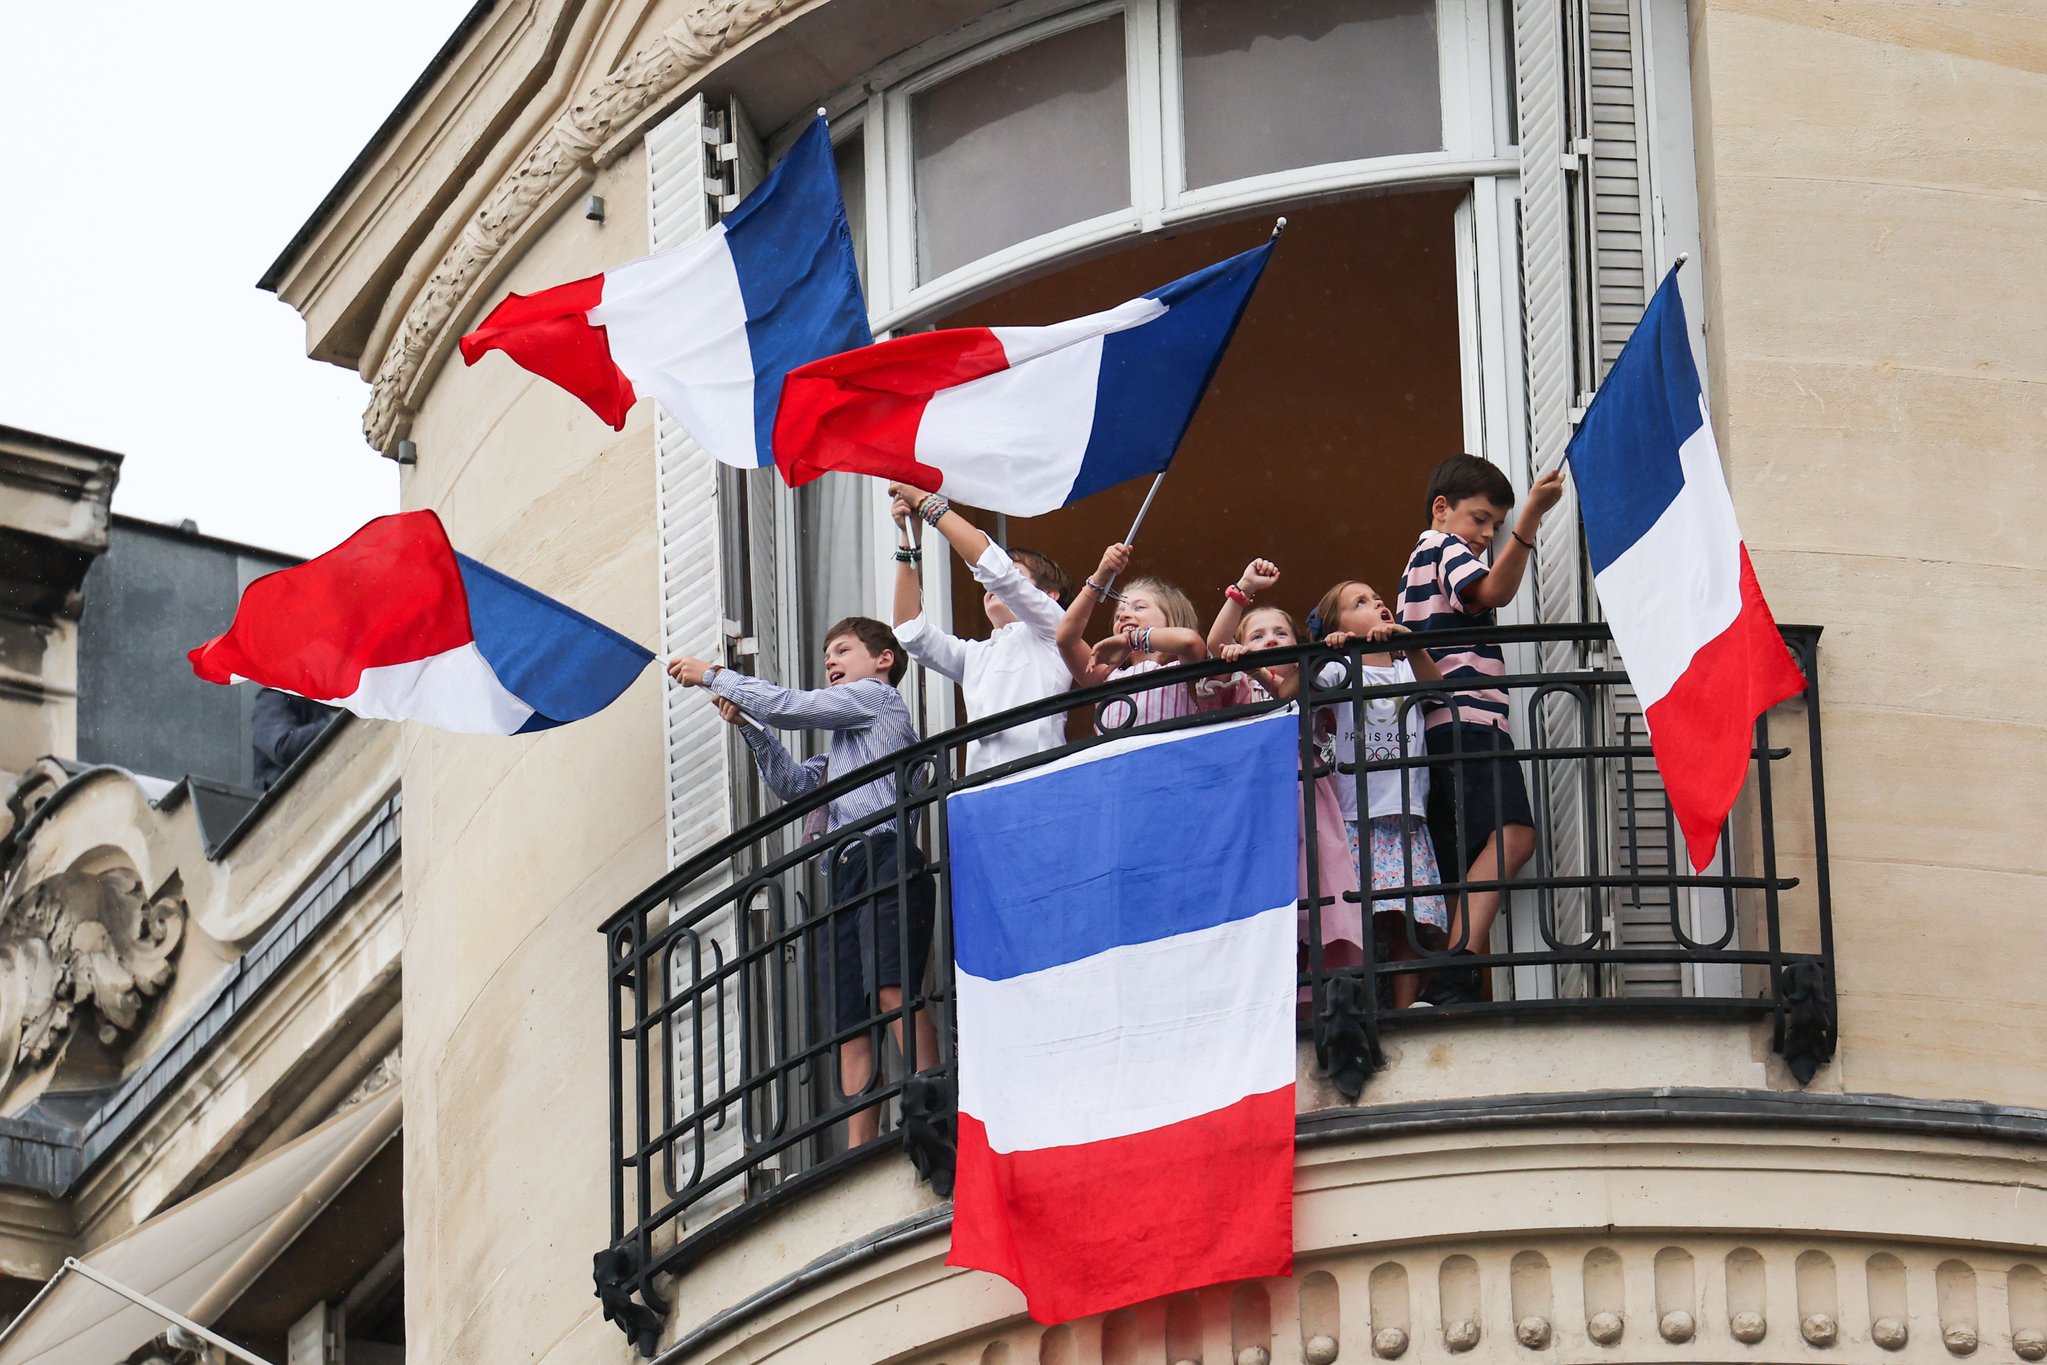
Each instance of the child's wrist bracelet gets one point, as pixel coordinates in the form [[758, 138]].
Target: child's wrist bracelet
[[1239, 596], [1523, 539], [906, 555]]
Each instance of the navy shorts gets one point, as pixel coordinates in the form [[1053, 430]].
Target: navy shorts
[[1486, 792], [866, 923]]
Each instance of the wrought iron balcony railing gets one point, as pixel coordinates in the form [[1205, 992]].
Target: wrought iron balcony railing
[[724, 1038]]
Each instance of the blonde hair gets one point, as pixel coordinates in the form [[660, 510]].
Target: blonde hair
[[1244, 623], [1171, 602]]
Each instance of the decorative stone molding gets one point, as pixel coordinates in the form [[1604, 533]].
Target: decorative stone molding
[[385, 1074], [75, 940], [707, 30]]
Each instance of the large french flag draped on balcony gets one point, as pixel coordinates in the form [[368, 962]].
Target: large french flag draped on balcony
[[709, 329], [1673, 576], [393, 624], [1020, 420], [1124, 929]]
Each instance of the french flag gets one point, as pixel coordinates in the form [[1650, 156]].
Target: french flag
[[1123, 921], [1020, 420], [1702, 650], [709, 329], [393, 624]]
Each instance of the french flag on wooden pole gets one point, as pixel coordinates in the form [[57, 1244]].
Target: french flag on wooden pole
[[1123, 921], [1020, 420], [394, 625], [708, 329], [1702, 650]]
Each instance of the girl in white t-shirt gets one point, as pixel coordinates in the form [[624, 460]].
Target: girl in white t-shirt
[[1389, 827]]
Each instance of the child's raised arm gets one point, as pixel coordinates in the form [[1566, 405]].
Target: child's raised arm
[[1072, 634], [1258, 575], [1498, 586]]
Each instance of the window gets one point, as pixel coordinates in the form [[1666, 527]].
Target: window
[[1054, 115], [851, 156], [1283, 84]]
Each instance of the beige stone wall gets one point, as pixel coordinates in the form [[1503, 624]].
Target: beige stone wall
[[1874, 223], [518, 848]]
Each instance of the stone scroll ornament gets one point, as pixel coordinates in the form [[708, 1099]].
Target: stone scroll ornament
[[706, 31], [76, 941]]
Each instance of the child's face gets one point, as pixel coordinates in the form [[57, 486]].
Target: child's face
[[847, 660], [1138, 610], [1359, 609], [1474, 520], [999, 615], [1266, 630]]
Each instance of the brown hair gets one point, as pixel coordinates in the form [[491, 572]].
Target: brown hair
[[875, 638], [1171, 602], [1055, 581], [1322, 620], [1467, 476]]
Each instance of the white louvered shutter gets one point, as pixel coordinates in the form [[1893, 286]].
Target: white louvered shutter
[[683, 189], [1586, 232]]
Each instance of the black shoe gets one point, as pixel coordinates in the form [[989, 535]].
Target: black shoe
[[1453, 985]]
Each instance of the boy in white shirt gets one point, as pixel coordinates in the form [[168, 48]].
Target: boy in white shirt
[[1019, 661]]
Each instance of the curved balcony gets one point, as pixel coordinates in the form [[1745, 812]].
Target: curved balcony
[[725, 1093]]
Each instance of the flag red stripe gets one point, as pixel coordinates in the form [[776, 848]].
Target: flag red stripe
[[1096, 1226], [550, 334], [390, 594], [1703, 729], [859, 411]]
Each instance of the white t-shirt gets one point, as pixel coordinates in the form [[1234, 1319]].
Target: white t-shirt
[[1381, 742], [1018, 663]]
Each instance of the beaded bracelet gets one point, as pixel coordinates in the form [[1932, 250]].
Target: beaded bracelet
[[905, 555], [932, 508]]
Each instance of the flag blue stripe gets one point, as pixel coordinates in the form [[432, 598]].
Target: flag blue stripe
[[1624, 460], [793, 252], [557, 660], [1153, 376], [1198, 829]]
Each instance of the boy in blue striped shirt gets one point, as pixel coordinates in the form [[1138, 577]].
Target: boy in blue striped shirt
[[1479, 816]]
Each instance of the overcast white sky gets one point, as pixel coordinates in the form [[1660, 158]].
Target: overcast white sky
[[159, 156]]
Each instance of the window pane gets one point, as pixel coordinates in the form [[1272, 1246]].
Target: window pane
[[1021, 145], [852, 161], [1282, 84]]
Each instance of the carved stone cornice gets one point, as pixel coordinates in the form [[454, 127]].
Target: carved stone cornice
[[77, 940], [707, 30]]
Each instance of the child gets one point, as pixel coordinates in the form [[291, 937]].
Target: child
[[1478, 806], [1019, 662], [1241, 628], [1389, 825], [1154, 628], [867, 719]]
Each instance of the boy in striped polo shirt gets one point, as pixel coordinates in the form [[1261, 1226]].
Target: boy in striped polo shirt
[[1479, 818]]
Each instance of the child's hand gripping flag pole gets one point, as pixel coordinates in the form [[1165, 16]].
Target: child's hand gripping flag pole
[[1021, 420], [1702, 650], [708, 329], [393, 624]]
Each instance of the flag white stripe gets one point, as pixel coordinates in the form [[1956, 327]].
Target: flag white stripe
[[1132, 1039], [1679, 586], [455, 690], [676, 324], [1015, 438]]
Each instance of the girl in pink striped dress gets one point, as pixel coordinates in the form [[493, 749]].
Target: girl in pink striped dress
[[1241, 628], [1155, 629]]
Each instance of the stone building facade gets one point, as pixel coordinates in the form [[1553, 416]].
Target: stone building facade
[[1482, 194]]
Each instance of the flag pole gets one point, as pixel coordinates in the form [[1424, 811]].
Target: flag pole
[[1278, 226]]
